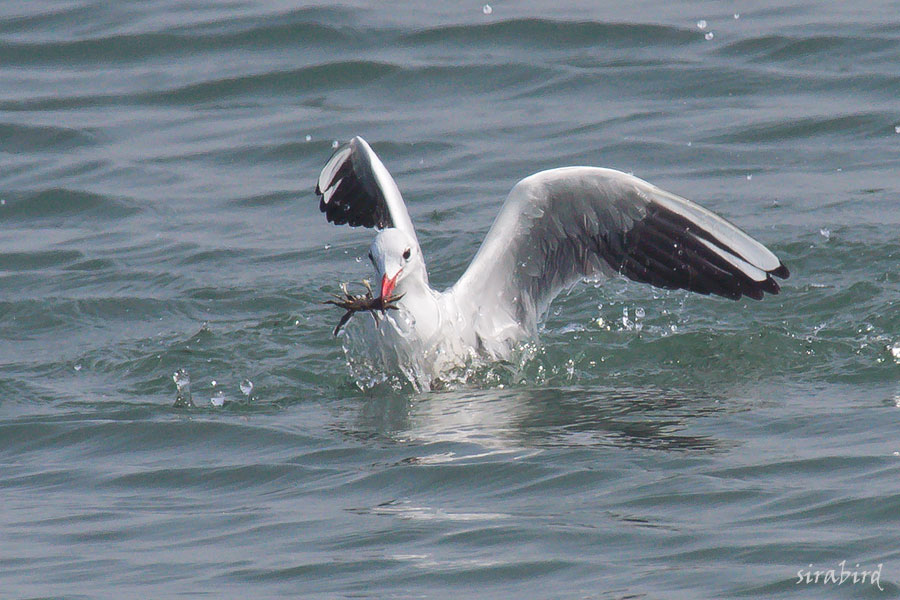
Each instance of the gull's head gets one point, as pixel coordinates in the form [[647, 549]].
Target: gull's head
[[397, 259]]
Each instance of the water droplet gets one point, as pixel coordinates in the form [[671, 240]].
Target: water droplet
[[335, 144], [749, 176], [689, 144], [218, 398], [737, 16], [77, 367], [359, 259], [486, 9], [639, 312], [709, 36], [896, 130], [701, 24], [308, 137], [181, 378], [825, 233], [895, 352], [246, 387], [182, 388]]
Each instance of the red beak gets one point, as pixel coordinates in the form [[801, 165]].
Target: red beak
[[387, 285]]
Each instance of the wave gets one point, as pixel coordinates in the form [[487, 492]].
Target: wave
[[61, 203]]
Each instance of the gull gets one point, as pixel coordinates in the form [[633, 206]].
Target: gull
[[556, 228]]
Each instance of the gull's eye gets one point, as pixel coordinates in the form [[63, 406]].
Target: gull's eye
[[406, 254]]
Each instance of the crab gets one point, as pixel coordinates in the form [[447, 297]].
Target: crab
[[368, 301]]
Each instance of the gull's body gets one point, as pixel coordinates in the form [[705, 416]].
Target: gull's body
[[555, 228]]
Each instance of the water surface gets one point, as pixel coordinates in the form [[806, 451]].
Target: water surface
[[158, 161]]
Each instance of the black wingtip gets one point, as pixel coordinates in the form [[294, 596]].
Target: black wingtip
[[781, 271], [351, 193], [770, 285]]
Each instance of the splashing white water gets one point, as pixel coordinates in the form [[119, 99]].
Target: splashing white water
[[218, 399], [182, 388], [384, 356]]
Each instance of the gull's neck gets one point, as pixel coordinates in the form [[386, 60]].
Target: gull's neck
[[420, 304]]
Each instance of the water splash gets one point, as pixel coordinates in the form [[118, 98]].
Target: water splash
[[246, 387], [486, 9], [380, 356], [709, 35], [182, 389], [218, 399], [702, 24]]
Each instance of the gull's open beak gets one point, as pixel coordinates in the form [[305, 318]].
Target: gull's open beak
[[387, 285]]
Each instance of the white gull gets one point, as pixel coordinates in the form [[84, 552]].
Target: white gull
[[556, 228]]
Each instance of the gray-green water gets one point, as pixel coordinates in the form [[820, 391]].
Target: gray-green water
[[157, 162]]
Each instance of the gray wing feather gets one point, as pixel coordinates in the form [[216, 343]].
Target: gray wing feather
[[560, 226]]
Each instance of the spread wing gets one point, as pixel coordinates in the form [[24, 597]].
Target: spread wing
[[560, 226], [355, 188]]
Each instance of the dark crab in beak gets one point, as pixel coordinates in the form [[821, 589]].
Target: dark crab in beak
[[366, 302]]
